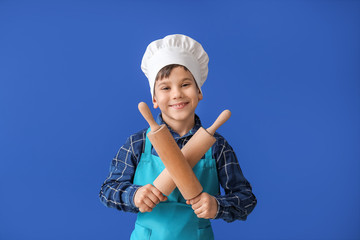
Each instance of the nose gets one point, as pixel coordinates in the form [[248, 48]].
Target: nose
[[177, 93]]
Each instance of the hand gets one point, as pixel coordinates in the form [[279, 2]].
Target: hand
[[147, 197], [204, 205]]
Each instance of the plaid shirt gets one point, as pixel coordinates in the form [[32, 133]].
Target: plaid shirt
[[118, 189]]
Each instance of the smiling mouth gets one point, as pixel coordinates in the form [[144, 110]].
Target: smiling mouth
[[179, 105]]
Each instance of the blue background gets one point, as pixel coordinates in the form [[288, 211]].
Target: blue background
[[70, 82]]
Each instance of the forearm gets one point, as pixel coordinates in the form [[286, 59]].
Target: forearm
[[235, 206], [239, 200], [119, 195], [118, 189]]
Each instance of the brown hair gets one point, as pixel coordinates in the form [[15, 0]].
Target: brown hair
[[166, 71]]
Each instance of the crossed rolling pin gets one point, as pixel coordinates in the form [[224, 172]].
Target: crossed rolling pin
[[179, 163]]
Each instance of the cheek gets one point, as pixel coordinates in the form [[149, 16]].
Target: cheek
[[160, 100], [195, 93]]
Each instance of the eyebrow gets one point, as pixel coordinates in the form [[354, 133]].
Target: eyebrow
[[184, 79], [161, 83]]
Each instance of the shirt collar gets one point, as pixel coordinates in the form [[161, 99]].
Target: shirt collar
[[159, 120]]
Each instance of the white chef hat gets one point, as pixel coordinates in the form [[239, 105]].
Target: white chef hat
[[175, 49]]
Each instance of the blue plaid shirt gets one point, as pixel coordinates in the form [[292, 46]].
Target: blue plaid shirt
[[118, 189]]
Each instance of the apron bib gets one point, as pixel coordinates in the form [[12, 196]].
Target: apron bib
[[173, 219]]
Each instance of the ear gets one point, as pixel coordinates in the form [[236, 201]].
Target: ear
[[155, 104], [200, 96]]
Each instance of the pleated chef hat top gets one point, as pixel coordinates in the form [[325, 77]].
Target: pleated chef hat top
[[175, 49]]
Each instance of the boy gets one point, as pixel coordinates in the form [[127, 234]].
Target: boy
[[176, 68]]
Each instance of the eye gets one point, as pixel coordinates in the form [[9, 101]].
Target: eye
[[165, 88], [186, 84]]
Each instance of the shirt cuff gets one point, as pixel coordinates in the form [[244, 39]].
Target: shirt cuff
[[133, 189], [220, 208]]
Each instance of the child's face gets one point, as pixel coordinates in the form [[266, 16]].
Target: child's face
[[177, 96]]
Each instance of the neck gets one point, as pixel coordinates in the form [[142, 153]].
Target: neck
[[181, 127]]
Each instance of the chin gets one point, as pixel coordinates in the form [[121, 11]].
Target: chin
[[181, 117]]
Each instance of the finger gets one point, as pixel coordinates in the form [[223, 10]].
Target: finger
[[200, 210], [203, 215], [158, 194], [149, 203], [155, 199], [145, 209], [203, 212], [197, 205]]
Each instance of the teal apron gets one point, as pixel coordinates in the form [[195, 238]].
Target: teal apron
[[173, 219]]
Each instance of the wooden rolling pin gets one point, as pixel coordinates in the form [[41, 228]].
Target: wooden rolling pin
[[170, 154], [194, 149]]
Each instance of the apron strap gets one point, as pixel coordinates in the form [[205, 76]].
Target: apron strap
[[147, 143], [208, 154]]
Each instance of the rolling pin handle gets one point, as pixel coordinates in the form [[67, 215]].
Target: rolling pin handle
[[223, 117], [145, 111]]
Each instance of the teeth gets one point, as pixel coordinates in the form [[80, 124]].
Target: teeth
[[179, 105]]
